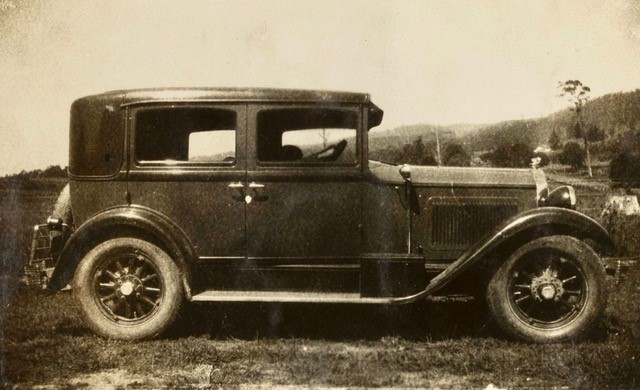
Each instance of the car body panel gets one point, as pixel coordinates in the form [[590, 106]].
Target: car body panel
[[198, 196], [534, 223], [303, 211], [132, 220], [249, 225], [432, 176], [96, 138], [92, 196]]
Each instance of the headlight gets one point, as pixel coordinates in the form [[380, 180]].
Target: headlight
[[542, 196], [564, 196]]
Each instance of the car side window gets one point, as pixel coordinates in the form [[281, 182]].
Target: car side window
[[307, 136], [184, 135]]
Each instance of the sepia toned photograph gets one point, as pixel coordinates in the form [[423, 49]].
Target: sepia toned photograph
[[320, 194]]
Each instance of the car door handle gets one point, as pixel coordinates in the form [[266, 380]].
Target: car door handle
[[236, 185], [259, 196]]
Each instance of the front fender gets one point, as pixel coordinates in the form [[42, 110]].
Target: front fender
[[544, 221], [116, 222]]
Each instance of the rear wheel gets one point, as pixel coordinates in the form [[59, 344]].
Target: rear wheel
[[551, 289], [128, 289]]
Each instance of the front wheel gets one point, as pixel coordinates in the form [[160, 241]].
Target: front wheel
[[551, 289], [128, 289]]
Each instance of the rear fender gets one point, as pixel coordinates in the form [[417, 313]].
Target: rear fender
[[544, 221], [124, 221]]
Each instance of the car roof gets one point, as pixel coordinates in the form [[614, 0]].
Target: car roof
[[134, 96]]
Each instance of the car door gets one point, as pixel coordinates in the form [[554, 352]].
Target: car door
[[304, 183], [187, 161]]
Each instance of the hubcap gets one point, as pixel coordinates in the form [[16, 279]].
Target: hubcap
[[547, 286], [547, 290], [128, 288]]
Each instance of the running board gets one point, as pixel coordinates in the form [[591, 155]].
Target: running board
[[288, 296]]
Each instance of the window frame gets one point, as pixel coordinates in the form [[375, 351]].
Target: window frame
[[239, 136], [254, 112]]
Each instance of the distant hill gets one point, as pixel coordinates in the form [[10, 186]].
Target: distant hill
[[411, 131], [615, 116], [403, 135]]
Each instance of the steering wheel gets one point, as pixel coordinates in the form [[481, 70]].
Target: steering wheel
[[336, 151]]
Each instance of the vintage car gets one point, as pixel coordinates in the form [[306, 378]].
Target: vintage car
[[219, 195]]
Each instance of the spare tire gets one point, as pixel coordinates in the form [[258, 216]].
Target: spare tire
[[62, 208], [62, 211]]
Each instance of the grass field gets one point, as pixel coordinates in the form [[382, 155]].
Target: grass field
[[432, 344]]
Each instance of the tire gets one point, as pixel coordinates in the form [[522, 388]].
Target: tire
[[128, 289], [550, 290], [62, 208]]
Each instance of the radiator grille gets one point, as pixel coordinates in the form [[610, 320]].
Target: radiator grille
[[459, 222]]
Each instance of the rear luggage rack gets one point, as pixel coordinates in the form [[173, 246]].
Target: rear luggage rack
[[39, 257], [46, 243]]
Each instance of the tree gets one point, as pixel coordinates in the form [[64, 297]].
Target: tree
[[520, 155], [517, 155], [422, 154], [573, 155], [455, 155], [438, 155], [554, 141], [495, 157], [578, 94], [595, 134], [416, 153], [324, 135], [544, 159], [624, 170], [54, 171]]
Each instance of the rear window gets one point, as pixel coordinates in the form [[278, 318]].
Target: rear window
[[185, 135]]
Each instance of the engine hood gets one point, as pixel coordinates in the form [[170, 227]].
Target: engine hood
[[458, 176]]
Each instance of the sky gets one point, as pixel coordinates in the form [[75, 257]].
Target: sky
[[438, 62]]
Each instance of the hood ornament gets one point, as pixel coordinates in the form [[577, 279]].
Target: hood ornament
[[535, 162]]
